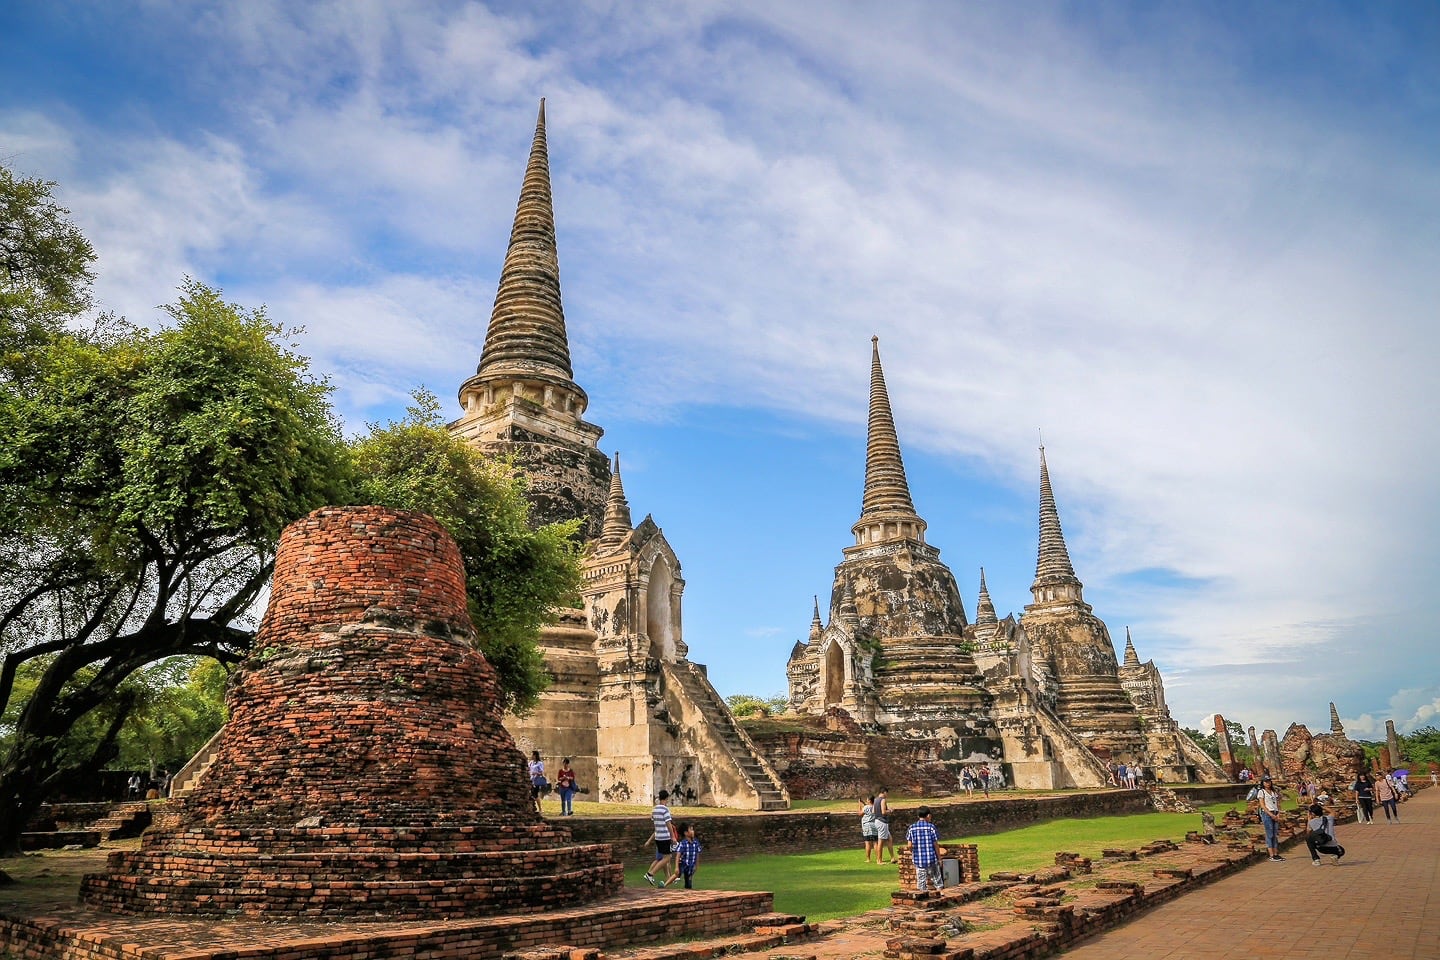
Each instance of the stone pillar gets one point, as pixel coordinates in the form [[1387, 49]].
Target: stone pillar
[[1270, 751], [1392, 742], [1387, 762], [1257, 761], [1227, 753]]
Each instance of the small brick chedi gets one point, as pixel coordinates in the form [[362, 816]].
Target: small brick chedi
[[364, 772]]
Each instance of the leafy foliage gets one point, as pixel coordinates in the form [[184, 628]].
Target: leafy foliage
[[1421, 747], [44, 266], [144, 478], [180, 704], [517, 576], [747, 705]]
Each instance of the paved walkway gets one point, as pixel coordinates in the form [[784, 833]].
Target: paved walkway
[[1381, 903]]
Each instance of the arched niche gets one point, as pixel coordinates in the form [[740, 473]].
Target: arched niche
[[660, 619], [834, 674]]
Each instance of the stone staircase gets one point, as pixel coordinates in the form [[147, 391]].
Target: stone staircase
[[124, 820], [720, 728], [1086, 769], [190, 775]]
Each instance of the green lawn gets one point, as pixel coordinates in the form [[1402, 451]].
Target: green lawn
[[840, 883]]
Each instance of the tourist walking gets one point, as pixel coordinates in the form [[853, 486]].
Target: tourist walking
[[925, 851], [538, 784], [565, 786], [133, 786], [663, 831], [1269, 797], [967, 781], [1320, 836], [868, 833], [1389, 798], [687, 854], [1364, 789], [882, 827], [984, 777]]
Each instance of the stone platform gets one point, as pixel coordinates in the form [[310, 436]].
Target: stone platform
[[634, 917]]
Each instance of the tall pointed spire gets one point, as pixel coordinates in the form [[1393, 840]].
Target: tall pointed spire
[[984, 606], [886, 510], [617, 525], [816, 628], [1336, 727], [1132, 659], [527, 325], [1055, 578]]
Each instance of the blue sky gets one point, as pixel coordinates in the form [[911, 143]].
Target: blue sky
[[1193, 243]]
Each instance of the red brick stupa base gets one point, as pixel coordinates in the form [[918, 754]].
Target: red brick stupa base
[[364, 772]]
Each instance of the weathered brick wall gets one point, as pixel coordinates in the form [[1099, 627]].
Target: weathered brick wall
[[729, 836], [658, 920]]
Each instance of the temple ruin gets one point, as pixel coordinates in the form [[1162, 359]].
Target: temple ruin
[[625, 702], [364, 772], [1043, 694], [1331, 759]]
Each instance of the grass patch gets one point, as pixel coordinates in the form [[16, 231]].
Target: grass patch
[[839, 883]]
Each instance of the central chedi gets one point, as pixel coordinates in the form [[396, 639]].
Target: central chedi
[[364, 772], [893, 655]]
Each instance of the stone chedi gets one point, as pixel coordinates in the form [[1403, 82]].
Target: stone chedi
[[624, 703], [1067, 637], [364, 771], [523, 400], [893, 654], [1044, 691]]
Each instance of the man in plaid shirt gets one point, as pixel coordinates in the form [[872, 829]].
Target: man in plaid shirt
[[925, 851]]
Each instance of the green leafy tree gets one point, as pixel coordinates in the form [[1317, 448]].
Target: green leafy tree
[[517, 576], [1205, 742], [44, 267], [179, 705], [1421, 748], [748, 705], [144, 479]]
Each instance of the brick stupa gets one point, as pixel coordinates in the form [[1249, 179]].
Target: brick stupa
[[364, 772]]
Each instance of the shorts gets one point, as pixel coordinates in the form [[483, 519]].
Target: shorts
[[662, 848], [882, 830], [868, 837]]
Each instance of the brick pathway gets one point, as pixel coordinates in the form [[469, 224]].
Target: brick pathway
[[1381, 903]]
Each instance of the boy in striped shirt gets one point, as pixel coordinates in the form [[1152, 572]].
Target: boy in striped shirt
[[664, 835]]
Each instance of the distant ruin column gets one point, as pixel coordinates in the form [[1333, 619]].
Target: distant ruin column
[[1257, 761], [1392, 742], [1335, 726], [1386, 761], [1270, 750], [1227, 753]]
